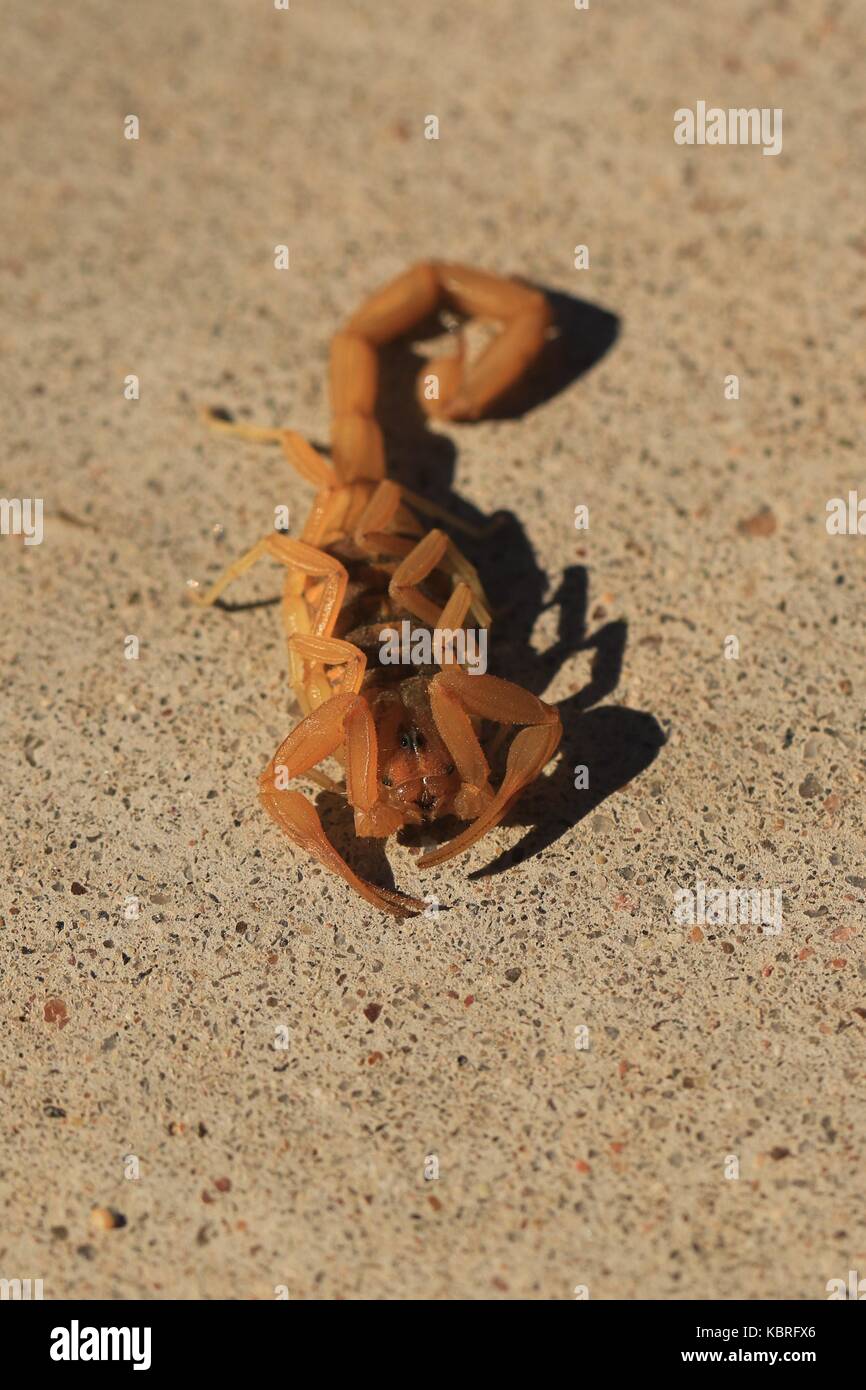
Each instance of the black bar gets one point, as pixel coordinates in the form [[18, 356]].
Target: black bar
[[240, 1338]]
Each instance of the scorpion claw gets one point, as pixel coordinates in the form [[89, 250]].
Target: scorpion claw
[[299, 819]]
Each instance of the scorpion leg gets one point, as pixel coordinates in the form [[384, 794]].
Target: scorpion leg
[[332, 500], [453, 615], [326, 521], [307, 461], [345, 720], [317, 652], [488, 697], [384, 510], [428, 508], [305, 560], [255, 434], [435, 551]]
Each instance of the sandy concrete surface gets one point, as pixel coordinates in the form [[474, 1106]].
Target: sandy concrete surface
[[704, 1136]]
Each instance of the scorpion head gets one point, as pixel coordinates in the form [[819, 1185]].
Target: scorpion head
[[417, 776]]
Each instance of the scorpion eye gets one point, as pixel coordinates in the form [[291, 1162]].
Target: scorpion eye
[[386, 782], [405, 741], [449, 769]]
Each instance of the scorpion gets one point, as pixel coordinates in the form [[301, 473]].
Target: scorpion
[[407, 737]]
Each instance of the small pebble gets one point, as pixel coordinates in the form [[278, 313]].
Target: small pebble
[[105, 1219], [763, 523]]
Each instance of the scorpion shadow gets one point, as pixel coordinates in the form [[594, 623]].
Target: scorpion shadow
[[614, 742]]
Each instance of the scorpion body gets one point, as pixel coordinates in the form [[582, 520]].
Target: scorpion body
[[406, 736]]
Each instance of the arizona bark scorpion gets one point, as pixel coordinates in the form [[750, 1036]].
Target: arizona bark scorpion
[[406, 737]]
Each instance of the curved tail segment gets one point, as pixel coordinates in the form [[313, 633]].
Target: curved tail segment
[[449, 388]]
